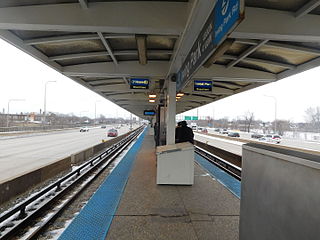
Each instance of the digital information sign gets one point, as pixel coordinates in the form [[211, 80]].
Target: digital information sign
[[149, 113], [202, 86], [139, 83]]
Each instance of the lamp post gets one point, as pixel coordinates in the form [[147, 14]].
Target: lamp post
[[11, 100], [95, 112], [45, 100], [275, 112]]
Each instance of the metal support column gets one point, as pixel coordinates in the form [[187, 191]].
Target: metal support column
[[171, 112]]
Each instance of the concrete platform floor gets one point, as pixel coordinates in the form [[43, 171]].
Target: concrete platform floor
[[206, 210]]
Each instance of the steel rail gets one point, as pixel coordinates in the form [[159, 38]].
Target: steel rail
[[80, 173], [228, 167]]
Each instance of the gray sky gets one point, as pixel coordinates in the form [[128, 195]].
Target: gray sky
[[23, 77]]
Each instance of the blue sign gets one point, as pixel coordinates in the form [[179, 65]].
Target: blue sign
[[202, 86], [139, 83], [222, 20], [149, 113], [226, 15]]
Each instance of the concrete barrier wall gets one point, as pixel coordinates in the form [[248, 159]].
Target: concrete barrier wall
[[280, 194], [81, 157], [21, 184]]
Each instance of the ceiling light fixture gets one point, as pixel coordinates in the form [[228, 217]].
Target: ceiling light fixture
[[152, 100], [152, 95], [180, 94]]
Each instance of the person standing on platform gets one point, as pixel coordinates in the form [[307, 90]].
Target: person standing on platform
[[184, 133]]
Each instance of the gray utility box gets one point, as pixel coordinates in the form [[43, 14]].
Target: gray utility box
[[175, 164], [280, 194]]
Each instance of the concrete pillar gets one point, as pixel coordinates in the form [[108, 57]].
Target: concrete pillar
[[171, 113]]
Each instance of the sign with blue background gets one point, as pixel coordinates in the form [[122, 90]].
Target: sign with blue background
[[225, 16], [139, 83], [149, 113], [202, 86]]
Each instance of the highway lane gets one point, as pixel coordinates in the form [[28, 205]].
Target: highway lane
[[225, 144], [235, 146], [23, 154]]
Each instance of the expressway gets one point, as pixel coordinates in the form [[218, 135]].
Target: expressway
[[22, 154], [234, 145]]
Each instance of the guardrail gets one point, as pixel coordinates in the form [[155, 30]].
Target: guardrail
[[36, 128]]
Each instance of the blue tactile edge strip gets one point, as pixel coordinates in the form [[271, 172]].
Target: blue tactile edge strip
[[94, 220], [224, 178]]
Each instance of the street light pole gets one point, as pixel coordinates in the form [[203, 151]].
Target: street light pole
[[275, 112], [11, 100], [45, 100], [95, 112]]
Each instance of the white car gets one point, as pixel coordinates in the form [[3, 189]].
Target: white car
[[84, 129], [271, 138]]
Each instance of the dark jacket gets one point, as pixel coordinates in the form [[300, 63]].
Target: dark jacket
[[184, 134]]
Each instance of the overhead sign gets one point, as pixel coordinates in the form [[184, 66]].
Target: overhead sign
[[190, 118], [202, 86], [139, 83], [226, 15], [149, 113]]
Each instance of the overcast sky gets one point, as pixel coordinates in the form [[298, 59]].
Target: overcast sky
[[23, 77]]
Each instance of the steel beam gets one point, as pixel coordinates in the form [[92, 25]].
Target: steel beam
[[108, 48], [84, 4], [258, 60], [308, 7], [165, 18], [141, 41], [267, 24], [125, 69], [221, 73], [246, 53], [104, 53]]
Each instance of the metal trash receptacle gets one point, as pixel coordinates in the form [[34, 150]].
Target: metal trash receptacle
[[175, 164]]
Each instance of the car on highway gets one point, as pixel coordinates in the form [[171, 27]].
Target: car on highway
[[204, 130], [84, 129], [224, 131], [271, 138], [103, 126], [112, 132], [257, 135], [233, 134]]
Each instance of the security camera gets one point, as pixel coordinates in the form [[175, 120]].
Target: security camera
[[173, 77]]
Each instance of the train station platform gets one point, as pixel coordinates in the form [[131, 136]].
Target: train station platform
[[206, 210], [145, 210]]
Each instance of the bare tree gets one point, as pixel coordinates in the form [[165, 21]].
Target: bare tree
[[248, 119], [313, 118], [282, 126]]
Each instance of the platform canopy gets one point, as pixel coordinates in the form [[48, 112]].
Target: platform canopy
[[103, 44]]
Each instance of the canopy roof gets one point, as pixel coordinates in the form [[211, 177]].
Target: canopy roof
[[102, 44]]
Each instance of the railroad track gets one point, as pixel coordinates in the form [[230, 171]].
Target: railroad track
[[49, 203], [225, 165]]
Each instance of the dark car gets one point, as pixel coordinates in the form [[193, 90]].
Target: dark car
[[233, 134], [103, 126], [112, 132], [257, 135]]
